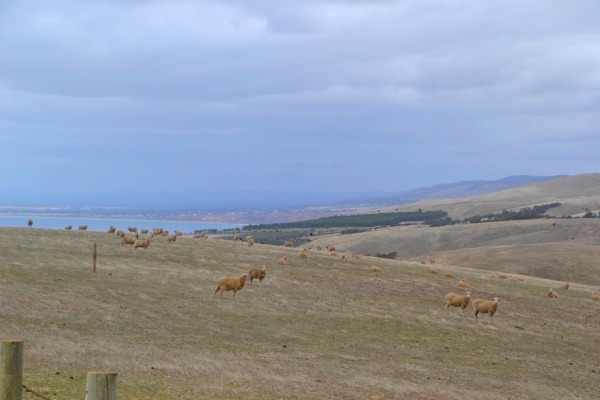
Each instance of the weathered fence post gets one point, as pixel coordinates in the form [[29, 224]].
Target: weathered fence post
[[101, 386], [94, 257], [11, 369]]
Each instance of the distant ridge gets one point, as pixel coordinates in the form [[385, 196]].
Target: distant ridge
[[451, 190]]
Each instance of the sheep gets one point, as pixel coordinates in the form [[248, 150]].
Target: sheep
[[399, 259], [259, 274], [303, 255], [120, 233], [196, 237], [127, 240], [502, 276], [375, 268], [142, 243], [564, 287], [227, 284], [485, 307], [552, 294], [204, 237], [514, 280], [595, 297], [422, 262], [156, 231], [334, 253], [463, 283], [250, 242], [145, 231], [432, 271], [289, 244], [111, 229], [248, 238], [68, 228], [356, 255], [448, 274], [171, 238], [457, 300], [332, 248], [29, 223], [282, 261], [432, 261], [134, 229], [177, 233], [318, 248], [166, 233], [82, 227], [484, 278], [236, 237], [343, 257]]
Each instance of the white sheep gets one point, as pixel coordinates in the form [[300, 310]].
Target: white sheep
[[259, 274], [457, 300], [227, 284], [485, 307]]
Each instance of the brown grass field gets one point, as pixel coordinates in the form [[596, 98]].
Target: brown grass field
[[317, 328]]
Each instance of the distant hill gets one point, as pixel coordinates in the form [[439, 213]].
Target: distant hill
[[452, 190]]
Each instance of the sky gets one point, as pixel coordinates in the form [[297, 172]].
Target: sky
[[324, 96]]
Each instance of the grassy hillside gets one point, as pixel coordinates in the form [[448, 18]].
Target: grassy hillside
[[316, 328]]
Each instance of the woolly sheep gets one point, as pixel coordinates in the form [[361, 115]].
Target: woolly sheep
[[448, 274], [111, 229], [484, 278], [399, 259], [318, 248], [289, 244], [432, 261], [156, 231], [259, 274], [166, 233], [29, 223], [250, 242], [463, 283], [334, 253], [227, 284], [375, 268], [343, 257], [120, 233], [595, 297], [132, 229], [564, 287], [127, 240], [145, 231], [552, 294], [142, 243], [502, 276], [332, 248], [69, 227], [485, 307], [82, 227], [303, 255], [457, 300], [171, 238], [282, 261], [432, 271]]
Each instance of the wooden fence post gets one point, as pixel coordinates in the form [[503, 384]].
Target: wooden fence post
[[101, 386], [94, 257], [11, 369]]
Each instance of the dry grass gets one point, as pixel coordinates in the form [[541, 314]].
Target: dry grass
[[317, 328]]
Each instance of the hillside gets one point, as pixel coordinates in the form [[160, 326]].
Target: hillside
[[316, 328]]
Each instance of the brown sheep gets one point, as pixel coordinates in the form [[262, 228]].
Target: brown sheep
[[236, 238], [334, 253], [197, 237], [171, 238], [250, 242], [332, 248], [354, 255], [82, 227], [375, 268], [127, 240], [68, 228], [432, 271], [422, 262], [432, 261], [259, 274], [144, 231], [289, 244], [485, 307], [457, 300], [111, 229], [303, 255], [132, 229], [484, 278], [564, 287], [343, 257], [463, 283], [399, 259], [142, 243], [515, 280], [156, 231], [502, 276], [227, 284], [318, 248], [29, 223], [165, 233], [595, 297], [120, 233], [552, 294], [448, 274], [282, 261]]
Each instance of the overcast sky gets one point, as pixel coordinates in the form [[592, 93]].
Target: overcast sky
[[322, 95]]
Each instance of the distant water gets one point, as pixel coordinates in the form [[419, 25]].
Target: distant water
[[102, 225]]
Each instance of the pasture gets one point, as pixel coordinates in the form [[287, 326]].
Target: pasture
[[316, 328]]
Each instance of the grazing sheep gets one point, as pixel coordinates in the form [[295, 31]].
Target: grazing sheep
[[448, 274], [68, 228], [334, 253], [432, 261], [484, 278], [127, 240], [318, 248], [197, 237], [375, 268], [485, 307], [303, 255], [120, 233], [463, 283], [156, 231], [111, 229], [515, 280], [422, 262], [144, 231], [457, 300], [595, 297], [249, 237], [259, 274], [171, 238], [142, 243], [332, 248], [289, 244], [227, 284], [343, 257], [250, 242], [282, 261], [82, 227], [29, 223], [432, 271], [552, 294], [356, 255], [502, 276], [399, 259], [132, 229], [165, 233], [564, 287]]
